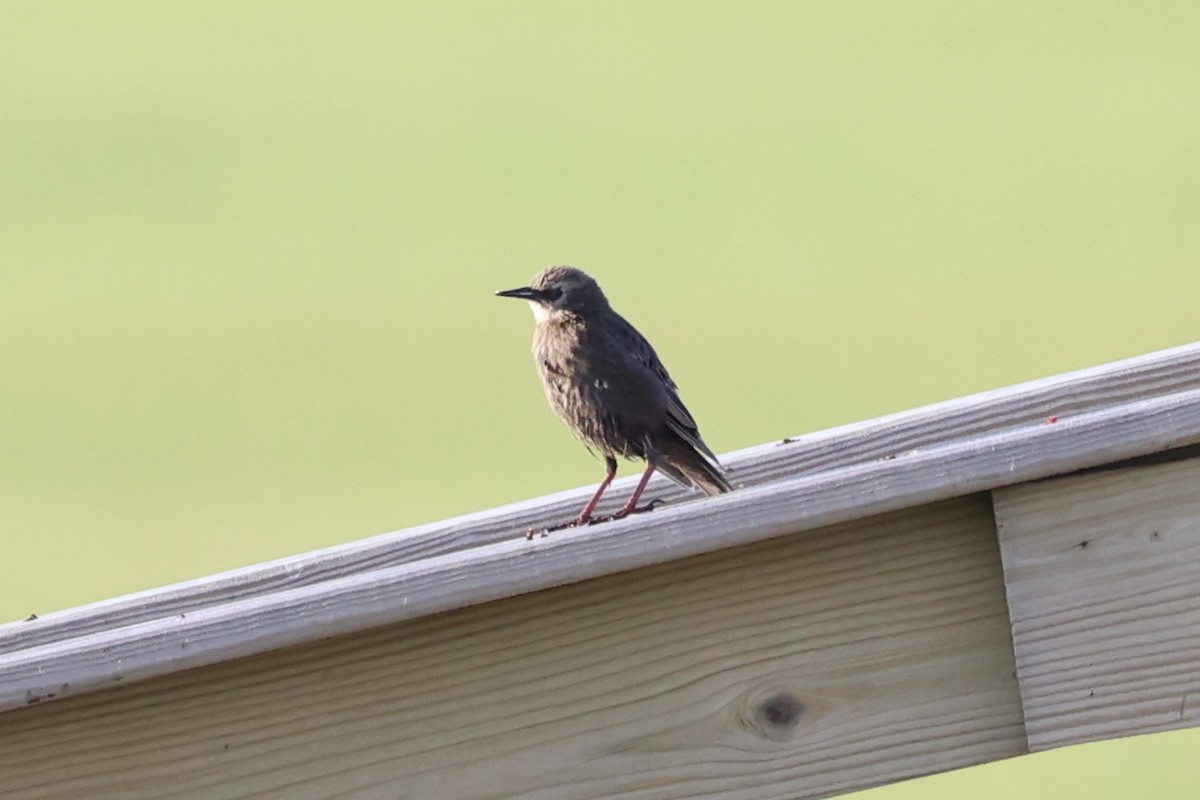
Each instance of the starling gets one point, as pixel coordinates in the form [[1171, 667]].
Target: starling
[[605, 381]]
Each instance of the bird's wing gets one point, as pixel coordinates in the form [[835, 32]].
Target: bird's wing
[[679, 419]]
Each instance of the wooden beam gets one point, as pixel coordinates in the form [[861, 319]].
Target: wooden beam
[[799, 667], [357, 601], [1103, 574], [1072, 394]]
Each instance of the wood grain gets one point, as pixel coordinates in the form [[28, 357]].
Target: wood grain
[[799, 667], [1071, 394], [1103, 576], [358, 601]]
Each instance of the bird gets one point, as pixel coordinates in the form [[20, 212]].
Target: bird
[[605, 381]]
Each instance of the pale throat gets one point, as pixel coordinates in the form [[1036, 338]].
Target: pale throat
[[540, 312]]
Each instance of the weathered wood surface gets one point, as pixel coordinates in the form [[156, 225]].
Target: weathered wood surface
[[1072, 394], [359, 601], [798, 667], [1103, 576]]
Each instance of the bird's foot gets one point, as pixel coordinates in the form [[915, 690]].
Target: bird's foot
[[626, 512], [580, 521]]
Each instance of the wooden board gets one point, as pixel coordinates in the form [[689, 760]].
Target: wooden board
[[1103, 574], [1157, 375], [356, 601], [798, 667]]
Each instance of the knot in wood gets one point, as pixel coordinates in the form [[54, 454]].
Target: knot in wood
[[780, 711]]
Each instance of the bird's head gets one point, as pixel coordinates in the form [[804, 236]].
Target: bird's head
[[560, 289]]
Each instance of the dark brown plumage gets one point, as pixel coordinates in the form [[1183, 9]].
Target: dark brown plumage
[[605, 381]]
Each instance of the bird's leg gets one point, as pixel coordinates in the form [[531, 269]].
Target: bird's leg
[[585, 516], [632, 507]]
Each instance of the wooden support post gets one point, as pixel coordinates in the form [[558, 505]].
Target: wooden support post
[[1103, 574]]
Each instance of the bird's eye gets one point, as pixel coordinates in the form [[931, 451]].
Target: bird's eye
[[552, 293]]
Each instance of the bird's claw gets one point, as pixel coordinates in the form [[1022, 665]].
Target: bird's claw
[[653, 504], [622, 514], [530, 533]]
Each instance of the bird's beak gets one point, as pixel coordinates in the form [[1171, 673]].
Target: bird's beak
[[524, 293]]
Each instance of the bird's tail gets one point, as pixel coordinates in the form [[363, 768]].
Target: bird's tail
[[683, 464]]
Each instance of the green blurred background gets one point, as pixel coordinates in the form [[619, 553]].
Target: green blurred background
[[247, 251]]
